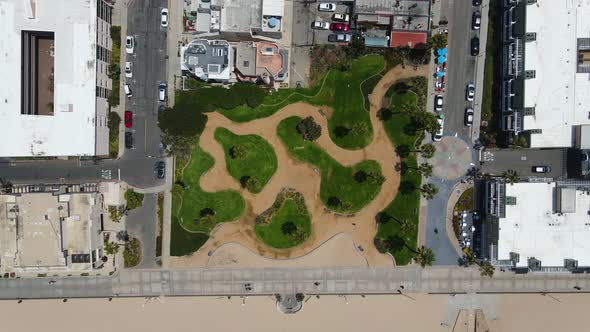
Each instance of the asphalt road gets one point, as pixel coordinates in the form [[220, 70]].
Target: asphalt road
[[460, 66], [268, 281], [141, 224]]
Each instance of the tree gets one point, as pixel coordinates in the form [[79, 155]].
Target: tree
[[486, 269], [238, 151], [111, 248], [407, 187], [178, 146], [289, 228], [427, 150], [360, 176], [425, 169], [115, 213], [405, 225], [359, 129], [511, 176], [468, 257], [395, 243], [383, 218], [309, 129], [252, 185], [385, 114], [134, 199], [334, 201], [403, 151], [439, 40], [429, 190], [424, 256], [376, 178], [114, 71], [341, 131], [207, 212], [122, 236]]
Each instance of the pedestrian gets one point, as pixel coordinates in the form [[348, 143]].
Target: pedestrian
[[435, 230]]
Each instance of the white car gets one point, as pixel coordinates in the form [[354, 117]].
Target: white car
[[128, 92], [341, 17], [162, 92], [438, 103], [320, 25], [128, 69], [470, 92], [327, 7], [164, 20], [469, 117], [437, 137], [129, 44]]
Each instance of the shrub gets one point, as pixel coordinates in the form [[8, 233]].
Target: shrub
[[238, 151], [113, 122], [309, 129], [134, 199], [289, 228], [252, 185], [360, 176], [131, 254]]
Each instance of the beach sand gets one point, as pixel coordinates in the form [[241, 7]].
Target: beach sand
[[421, 312]]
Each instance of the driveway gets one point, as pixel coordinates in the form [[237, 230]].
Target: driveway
[[141, 223]]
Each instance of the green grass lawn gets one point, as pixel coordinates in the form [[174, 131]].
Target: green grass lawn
[[289, 211], [227, 204], [259, 162], [405, 206], [337, 180], [340, 90]]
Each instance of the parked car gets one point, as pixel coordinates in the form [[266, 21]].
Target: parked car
[[339, 27], [128, 140], [476, 20], [470, 92], [477, 3], [162, 92], [474, 46], [161, 169], [541, 169], [341, 18], [320, 25], [469, 117], [127, 89], [438, 103], [164, 18], [128, 119], [128, 69], [327, 7], [129, 44], [437, 137], [339, 38]]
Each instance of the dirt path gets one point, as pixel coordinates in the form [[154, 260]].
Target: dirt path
[[302, 177]]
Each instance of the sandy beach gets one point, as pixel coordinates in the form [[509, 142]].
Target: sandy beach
[[421, 312]]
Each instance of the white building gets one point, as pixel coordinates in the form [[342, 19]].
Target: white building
[[546, 91], [540, 224], [54, 90]]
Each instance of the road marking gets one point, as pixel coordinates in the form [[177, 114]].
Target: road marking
[[105, 174], [145, 135], [119, 171]]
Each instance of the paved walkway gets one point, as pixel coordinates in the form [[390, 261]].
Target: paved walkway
[[268, 281], [290, 173]]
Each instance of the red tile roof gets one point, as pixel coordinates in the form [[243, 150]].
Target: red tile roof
[[412, 39]]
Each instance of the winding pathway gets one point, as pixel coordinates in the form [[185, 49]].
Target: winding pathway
[[302, 177]]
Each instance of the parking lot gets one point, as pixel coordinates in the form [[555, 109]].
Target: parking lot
[[496, 162], [307, 13]]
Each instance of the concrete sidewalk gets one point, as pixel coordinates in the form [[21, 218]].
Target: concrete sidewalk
[[480, 62]]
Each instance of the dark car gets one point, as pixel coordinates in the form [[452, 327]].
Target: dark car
[[476, 20], [339, 38], [477, 3], [338, 26], [474, 46], [161, 169], [541, 169], [128, 140]]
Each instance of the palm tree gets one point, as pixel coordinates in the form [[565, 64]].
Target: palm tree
[[425, 169], [429, 191], [487, 269], [428, 150], [405, 225], [424, 256], [111, 248], [511, 176]]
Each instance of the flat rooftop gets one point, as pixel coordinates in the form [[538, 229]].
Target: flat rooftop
[[207, 59], [388, 7], [68, 126], [532, 228], [560, 95], [43, 230], [241, 15]]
